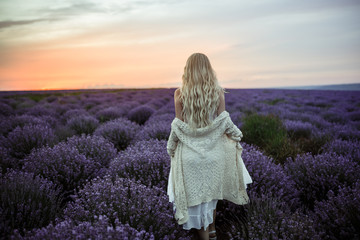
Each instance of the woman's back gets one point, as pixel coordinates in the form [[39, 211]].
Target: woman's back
[[179, 108]]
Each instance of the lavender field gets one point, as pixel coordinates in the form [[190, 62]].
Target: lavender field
[[93, 165]]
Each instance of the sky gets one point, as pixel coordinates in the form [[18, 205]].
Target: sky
[[87, 44]]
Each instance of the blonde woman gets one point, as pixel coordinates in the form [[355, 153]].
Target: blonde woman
[[205, 150]]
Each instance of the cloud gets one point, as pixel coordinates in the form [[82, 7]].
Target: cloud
[[7, 24], [70, 10], [111, 7]]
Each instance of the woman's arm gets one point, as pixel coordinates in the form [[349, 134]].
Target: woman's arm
[[173, 139], [221, 107], [178, 105]]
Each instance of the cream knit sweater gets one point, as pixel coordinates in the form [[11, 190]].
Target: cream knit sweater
[[206, 164]]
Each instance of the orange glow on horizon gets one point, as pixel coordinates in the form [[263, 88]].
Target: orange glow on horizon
[[94, 67], [79, 68]]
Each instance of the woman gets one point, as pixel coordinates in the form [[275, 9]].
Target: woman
[[205, 152]]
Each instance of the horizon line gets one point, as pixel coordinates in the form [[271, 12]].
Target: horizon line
[[135, 88]]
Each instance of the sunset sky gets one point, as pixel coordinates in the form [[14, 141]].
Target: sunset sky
[[63, 44]]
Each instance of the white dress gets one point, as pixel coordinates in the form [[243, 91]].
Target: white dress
[[201, 215]]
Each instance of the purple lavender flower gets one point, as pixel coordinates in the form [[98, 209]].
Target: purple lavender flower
[[335, 115], [157, 103], [27, 201], [236, 117], [141, 207], [121, 132], [145, 161], [269, 179], [63, 165], [95, 148], [73, 113], [110, 113], [168, 108], [140, 114], [6, 161], [314, 176], [6, 110], [160, 130], [346, 148], [39, 110], [298, 129], [22, 140], [161, 117], [344, 132], [339, 215], [10, 123], [270, 218], [99, 229], [83, 124], [354, 116]]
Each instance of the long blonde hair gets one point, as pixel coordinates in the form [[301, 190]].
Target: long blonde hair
[[200, 91]]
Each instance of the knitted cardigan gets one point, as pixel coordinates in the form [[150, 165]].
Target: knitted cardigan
[[206, 164]]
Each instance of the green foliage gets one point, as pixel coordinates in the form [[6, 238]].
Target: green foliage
[[268, 133], [274, 101], [34, 96], [319, 104], [313, 144]]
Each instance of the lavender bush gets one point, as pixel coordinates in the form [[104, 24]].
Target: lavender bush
[[334, 116], [346, 148], [145, 161], [96, 148], [298, 129], [63, 165], [110, 113], [99, 229], [157, 103], [339, 215], [157, 127], [83, 124], [314, 176], [344, 132], [354, 116], [140, 114], [168, 108], [270, 218], [62, 132], [73, 113], [269, 179], [27, 201], [22, 140], [132, 203], [159, 130], [121, 132], [6, 161], [38, 110], [5, 109], [161, 117], [5, 125], [10, 123]]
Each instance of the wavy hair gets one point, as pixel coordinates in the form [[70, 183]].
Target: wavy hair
[[200, 91]]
